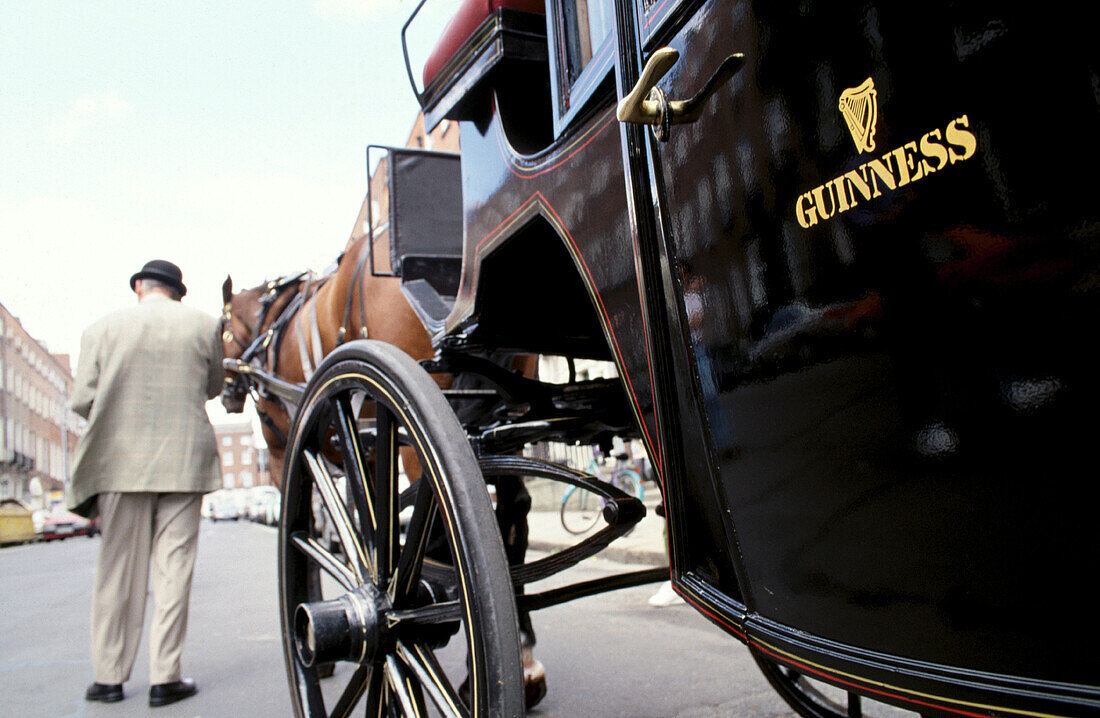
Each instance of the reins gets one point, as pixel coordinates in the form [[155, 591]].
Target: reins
[[264, 342]]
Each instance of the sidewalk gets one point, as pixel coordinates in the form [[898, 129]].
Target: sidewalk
[[644, 545]]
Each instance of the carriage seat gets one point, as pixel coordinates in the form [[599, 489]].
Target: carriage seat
[[464, 24], [482, 35]]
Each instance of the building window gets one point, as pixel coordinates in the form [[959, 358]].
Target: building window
[[227, 459], [227, 441], [227, 480], [246, 479]]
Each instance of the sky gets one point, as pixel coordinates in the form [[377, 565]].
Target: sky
[[227, 137]]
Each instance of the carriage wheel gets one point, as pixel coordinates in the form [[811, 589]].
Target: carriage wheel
[[396, 592], [811, 699]]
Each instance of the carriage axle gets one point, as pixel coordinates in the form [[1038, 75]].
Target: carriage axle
[[349, 628]]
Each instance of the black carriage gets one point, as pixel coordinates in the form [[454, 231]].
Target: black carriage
[[844, 258]]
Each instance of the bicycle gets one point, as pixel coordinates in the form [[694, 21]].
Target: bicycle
[[581, 510]]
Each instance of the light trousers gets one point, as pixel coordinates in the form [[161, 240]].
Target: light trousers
[[143, 534]]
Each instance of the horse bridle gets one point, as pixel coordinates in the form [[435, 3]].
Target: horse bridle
[[240, 385], [262, 341]]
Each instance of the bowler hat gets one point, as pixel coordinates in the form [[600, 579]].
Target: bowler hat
[[162, 271]]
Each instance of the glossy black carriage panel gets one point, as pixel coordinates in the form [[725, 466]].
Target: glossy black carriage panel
[[885, 230]]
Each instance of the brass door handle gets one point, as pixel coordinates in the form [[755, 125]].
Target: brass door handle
[[634, 108], [646, 104]]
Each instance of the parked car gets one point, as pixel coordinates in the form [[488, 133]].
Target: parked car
[[16, 522], [259, 502], [61, 524], [268, 508], [223, 507]]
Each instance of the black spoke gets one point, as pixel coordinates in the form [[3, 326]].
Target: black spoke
[[442, 612], [333, 566], [424, 665], [338, 513], [405, 689], [353, 692], [354, 467], [407, 573], [386, 490], [376, 687]]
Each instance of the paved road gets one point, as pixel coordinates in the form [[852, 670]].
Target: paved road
[[611, 655], [233, 645]]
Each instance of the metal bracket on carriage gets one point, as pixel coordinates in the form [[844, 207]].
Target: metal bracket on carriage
[[535, 410], [621, 512], [512, 387]]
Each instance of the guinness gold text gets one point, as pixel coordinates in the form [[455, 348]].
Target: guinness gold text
[[897, 168]]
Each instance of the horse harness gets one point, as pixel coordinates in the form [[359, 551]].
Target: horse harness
[[318, 356]]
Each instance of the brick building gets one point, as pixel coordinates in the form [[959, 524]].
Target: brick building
[[38, 433], [244, 464]]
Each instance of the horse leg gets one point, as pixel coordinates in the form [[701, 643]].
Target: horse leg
[[512, 516], [513, 505]]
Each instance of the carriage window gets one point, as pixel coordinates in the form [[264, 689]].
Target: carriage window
[[587, 26], [582, 56]]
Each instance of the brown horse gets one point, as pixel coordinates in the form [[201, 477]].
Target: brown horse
[[316, 315], [333, 310]]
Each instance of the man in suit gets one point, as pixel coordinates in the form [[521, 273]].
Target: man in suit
[[147, 457]]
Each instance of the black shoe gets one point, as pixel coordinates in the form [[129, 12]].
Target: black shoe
[[164, 693], [104, 692]]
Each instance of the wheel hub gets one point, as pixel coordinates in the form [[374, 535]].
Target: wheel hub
[[349, 628]]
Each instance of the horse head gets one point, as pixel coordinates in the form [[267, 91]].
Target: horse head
[[240, 316], [247, 331]]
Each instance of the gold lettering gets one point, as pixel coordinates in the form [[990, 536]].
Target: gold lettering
[[840, 194], [819, 200], [915, 169], [807, 216], [904, 161], [880, 171], [868, 181], [854, 179], [963, 139], [932, 150]]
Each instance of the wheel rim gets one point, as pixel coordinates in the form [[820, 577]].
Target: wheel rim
[[806, 697], [389, 600]]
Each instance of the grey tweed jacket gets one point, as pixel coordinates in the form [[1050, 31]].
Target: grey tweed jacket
[[142, 382]]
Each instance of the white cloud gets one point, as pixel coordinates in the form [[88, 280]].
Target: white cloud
[[67, 260], [89, 112]]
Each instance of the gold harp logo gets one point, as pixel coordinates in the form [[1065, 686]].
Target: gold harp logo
[[859, 107]]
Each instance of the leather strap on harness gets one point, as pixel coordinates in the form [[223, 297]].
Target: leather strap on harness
[[271, 425], [315, 336], [303, 352], [341, 336], [314, 330]]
